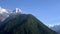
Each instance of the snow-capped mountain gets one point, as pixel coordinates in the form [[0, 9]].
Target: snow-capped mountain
[[4, 13], [56, 28]]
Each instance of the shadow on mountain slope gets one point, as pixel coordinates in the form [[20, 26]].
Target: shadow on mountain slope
[[24, 24]]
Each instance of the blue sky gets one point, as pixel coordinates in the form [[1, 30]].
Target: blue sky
[[47, 11]]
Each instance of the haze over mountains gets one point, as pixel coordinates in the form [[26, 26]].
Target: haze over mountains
[[13, 22], [56, 28]]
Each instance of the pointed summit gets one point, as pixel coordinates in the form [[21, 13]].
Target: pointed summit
[[18, 10], [25, 24]]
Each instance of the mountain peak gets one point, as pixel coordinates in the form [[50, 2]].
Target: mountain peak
[[2, 10], [18, 10], [25, 24], [4, 13]]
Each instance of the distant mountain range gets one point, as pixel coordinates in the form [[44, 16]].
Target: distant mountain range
[[4, 13], [17, 23], [56, 28]]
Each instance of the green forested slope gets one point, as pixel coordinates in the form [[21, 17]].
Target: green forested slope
[[26, 24]]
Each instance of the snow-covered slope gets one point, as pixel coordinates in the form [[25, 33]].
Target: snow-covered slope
[[4, 13]]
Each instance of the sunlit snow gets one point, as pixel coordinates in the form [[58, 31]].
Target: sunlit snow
[[4, 13]]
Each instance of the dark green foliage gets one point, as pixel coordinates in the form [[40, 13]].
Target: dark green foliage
[[25, 24]]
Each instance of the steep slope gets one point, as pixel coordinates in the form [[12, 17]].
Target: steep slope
[[24, 24]]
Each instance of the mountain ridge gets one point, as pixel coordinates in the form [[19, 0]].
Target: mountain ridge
[[56, 28], [4, 13], [25, 24]]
